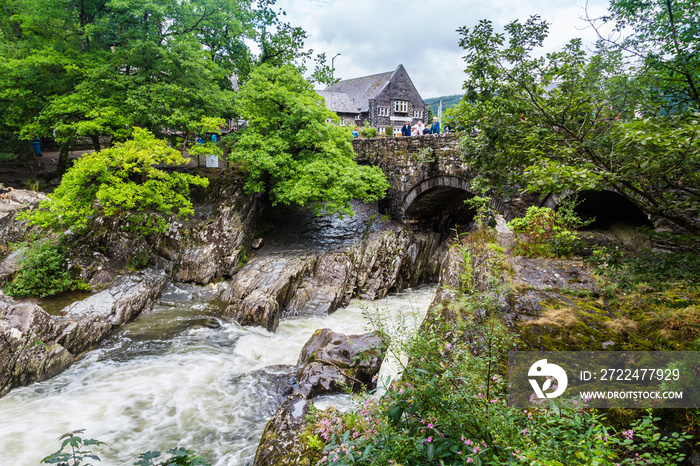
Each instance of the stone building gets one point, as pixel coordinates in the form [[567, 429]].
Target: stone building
[[385, 99]]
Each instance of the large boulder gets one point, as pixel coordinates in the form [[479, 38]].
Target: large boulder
[[280, 443], [35, 346], [11, 204], [28, 348], [329, 363], [317, 283]]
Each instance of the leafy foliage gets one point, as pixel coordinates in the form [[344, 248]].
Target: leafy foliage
[[179, 457], [42, 273], [123, 182], [76, 454], [75, 457], [99, 67], [648, 269], [292, 151], [449, 406], [569, 121], [544, 232]]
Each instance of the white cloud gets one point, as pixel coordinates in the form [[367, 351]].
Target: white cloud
[[376, 36]]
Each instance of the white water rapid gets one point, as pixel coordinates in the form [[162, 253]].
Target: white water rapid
[[177, 376]]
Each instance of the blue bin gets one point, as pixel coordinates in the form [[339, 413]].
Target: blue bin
[[36, 146]]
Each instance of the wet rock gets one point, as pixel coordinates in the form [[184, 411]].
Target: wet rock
[[318, 283], [9, 266], [262, 288], [212, 245], [35, 346], [280, 443], [27, 345], [86, 322], [11, 229], [330, 362]]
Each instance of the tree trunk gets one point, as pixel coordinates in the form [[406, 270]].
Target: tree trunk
[[95, 142], [64, 157]]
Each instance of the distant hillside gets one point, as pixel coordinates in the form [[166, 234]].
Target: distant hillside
[[447, 102]]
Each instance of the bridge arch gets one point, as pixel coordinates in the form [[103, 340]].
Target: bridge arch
[[608, 207], [438, 202]]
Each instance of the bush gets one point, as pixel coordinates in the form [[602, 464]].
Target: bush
[[544, 232], [121, 181], [77, 453], [43, 273], [368, 132], [389, 130], [449, 406]]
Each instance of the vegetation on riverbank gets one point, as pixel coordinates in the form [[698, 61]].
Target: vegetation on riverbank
[[448, 407]]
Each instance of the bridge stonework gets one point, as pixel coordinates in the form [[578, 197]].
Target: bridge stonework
[[427, 175]]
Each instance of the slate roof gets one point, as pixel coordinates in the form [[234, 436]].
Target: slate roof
[[361, 90], [338, 102]]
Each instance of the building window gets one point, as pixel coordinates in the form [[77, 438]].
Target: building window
[[397, 130], [382, 130], [400, 106], [357, 117], [417, 114], [383, 111]]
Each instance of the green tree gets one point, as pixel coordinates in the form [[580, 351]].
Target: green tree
[[661, 37], [567, 121], [100, 67], [291, 149], [123, 182]]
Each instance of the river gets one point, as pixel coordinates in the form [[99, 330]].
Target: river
[[178, 375]]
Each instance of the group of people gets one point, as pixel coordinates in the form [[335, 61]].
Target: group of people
[[419, 128]]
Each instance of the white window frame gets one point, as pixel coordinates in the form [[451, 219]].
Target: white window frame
[[382, 111], [418, 114], [357, 117], [382, 130], [401, 106]]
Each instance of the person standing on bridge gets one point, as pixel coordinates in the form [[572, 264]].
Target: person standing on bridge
[[406, 129], [420, 127], [435, 127]]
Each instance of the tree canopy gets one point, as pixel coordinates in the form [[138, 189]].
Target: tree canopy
[[292, 150], [570, 120], [123, 182], [100, 67]]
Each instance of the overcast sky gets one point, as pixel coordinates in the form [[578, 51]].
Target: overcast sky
[[375, 36]]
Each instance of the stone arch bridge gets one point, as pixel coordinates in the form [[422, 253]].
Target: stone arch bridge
[[430, 182]]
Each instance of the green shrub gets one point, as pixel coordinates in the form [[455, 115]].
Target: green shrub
[[544, 232], [367, 131], [6, 157], [77, 453], [122, 181], [389, 130], [43, 273]]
